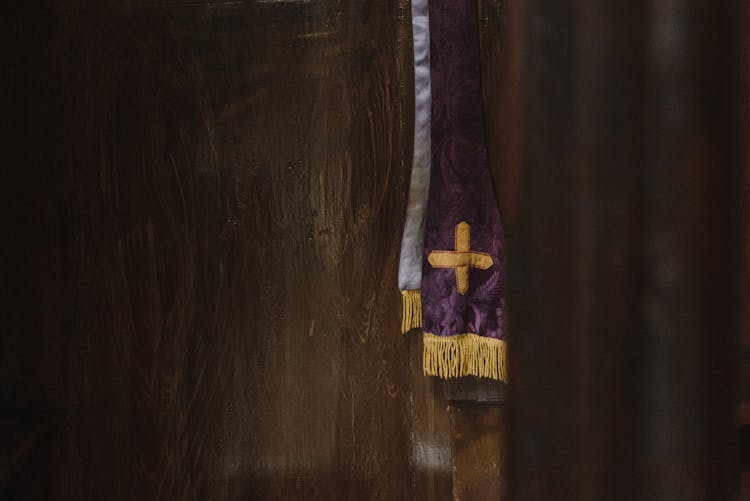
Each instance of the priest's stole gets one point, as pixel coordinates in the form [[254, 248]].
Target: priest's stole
[[459, 302]]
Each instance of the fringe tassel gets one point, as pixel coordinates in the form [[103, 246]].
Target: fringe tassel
[[465, 355], [411, 315]]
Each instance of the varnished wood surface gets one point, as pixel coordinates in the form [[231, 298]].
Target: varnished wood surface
[[202, 204], [430, 431], [479, 451]]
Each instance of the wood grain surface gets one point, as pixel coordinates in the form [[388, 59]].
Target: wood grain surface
[[478, 449], [202, 204]]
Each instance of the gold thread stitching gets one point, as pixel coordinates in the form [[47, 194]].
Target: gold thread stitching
[[462, 259]]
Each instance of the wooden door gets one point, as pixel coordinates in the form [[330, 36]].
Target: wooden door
[[202, 204]]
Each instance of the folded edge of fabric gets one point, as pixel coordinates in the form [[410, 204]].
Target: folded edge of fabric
[[410, 261]]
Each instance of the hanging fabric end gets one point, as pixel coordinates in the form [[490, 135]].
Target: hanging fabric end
[[465, 355], [411, 315]]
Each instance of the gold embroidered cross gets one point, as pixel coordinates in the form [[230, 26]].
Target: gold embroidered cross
[[462, 259]]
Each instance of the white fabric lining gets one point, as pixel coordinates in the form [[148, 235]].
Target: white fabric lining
[[410, 262]]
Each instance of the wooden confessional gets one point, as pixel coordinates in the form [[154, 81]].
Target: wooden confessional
[[202, 203]]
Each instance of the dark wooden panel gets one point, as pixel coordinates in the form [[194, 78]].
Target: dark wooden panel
[[478, 447], [624, 261], [743, 415], [501, 52], [430, 431], [203, 204]]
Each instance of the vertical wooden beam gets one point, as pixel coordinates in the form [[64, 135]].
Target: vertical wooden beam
[[502, 87], [478, 451], [624, 257], [430, 433]]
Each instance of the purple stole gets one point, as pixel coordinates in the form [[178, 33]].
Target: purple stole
[[462, 271]]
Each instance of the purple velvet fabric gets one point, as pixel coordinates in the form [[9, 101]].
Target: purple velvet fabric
[[460, 187]]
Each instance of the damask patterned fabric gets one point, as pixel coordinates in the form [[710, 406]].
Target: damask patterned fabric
[[462, 272]]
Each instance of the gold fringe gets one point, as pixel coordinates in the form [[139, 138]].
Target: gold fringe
[[465, 355], [411, 315]]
